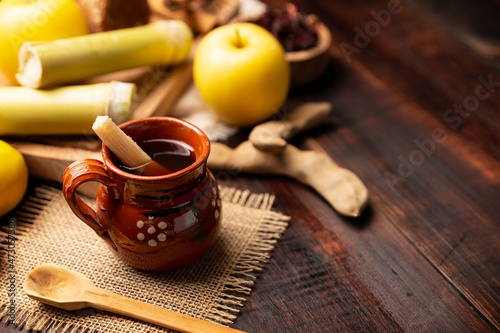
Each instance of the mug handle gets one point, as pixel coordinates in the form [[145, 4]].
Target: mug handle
[[81, 172]]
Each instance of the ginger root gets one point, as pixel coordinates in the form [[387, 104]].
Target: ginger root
[[267, 152], [272, 136], [343, 190]]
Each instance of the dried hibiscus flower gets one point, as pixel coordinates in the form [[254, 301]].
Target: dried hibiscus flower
[[293, 30]]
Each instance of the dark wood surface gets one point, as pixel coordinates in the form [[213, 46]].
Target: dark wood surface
[[425, 255]]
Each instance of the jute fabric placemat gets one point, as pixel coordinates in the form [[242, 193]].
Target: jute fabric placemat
[[214, 288]]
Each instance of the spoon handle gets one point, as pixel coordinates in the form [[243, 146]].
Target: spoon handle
[[108, 301]]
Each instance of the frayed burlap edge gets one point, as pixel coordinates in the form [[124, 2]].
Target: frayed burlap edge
[[231, 298], [24, 218], [254, 257]]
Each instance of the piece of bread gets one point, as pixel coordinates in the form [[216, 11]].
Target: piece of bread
[[103, 15], [200, 15]]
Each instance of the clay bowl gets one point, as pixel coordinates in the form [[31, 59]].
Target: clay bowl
[[306, 66]]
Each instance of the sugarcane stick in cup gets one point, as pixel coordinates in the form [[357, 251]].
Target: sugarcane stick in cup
[[165, 42], [126, 149], [65, 110]]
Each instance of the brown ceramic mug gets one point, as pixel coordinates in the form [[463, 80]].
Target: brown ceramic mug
[[154, 223]]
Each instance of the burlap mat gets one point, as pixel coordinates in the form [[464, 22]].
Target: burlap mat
[[214, 288]]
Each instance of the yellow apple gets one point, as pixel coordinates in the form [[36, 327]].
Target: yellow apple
[[13, 177], [35, 20], [241, 73]]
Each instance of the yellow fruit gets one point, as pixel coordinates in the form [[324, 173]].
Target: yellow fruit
[[13, 177], [35, 20], [241, 72]]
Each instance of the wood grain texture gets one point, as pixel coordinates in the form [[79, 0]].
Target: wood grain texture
[[441, 211], [425, 255]]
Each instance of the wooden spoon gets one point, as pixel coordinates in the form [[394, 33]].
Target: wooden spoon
[[68, 290]]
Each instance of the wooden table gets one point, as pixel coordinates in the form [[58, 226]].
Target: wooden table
[[417, 118]]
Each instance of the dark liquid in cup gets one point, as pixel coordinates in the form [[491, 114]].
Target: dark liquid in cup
[[173, 155]]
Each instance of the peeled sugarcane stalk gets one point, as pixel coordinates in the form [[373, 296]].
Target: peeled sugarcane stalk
[[165, 42], [125, 148], [65, 110]]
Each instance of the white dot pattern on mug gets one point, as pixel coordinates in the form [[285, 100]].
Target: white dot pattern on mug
[[162, 225], [151, 230]]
